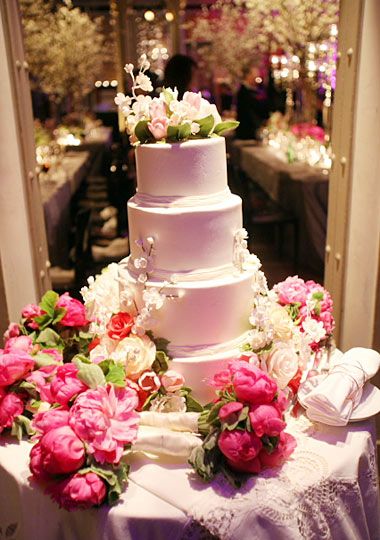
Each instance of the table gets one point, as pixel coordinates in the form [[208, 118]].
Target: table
[[297, 187], [327, 490], [56, 194]]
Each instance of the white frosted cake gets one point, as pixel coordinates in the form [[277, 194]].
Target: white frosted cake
[[188, 224]]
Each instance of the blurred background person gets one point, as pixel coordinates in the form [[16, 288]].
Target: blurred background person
[[180, 72], [252, 105]]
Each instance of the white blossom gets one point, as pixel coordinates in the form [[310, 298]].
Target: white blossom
[[314, 330], [128, 68], [144, 83]]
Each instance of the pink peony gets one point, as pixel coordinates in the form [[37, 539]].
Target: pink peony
[[41, 379], [326, 302], [36, 464], [51, 419], [14, 366], [292, 290], [80, 491], [251, 384], [328, 321], [241, 449], [106, 421], [11, 405], [266, 420], [281, 402], [66, 385], [75, 311], [30, 312], [12, 331], [230, 411], [285, 448], [20, 343], [149, 381], [61, 451], [193, 99], [159, 127], [172, 380], [120, 326]]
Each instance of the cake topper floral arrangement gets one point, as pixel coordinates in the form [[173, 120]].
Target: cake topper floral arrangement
[[166, 118]]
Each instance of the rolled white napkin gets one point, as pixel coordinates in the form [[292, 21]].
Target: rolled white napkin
[[175, 421], [333, 400], [159, 440]]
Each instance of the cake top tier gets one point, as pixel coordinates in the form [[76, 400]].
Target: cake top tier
[[190, 169]]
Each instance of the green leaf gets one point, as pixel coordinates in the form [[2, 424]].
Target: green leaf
[[90, 374], [50, 338], [82, 358], [160, 343], [22, 425], [168, 96], [206, 459], [172, 134], [148, 401], [230, 424], [235, 478], [246, 347], [270, 443], [222, 127], [161, 363], [184, 131], [318, 295], [206, 124], [213, 417], [143, 133], [192, 405], [116, 375], [48, 302], [43, 321], [59, 313], [28, 387], [43, 359]]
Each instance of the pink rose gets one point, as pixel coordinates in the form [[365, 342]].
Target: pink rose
[[14, 365], [120, 326], [149, 381], [51, 419], [241, 449], [266, 420], [221, 380], [251, 384], [230, 411], [105, 419], [66, 385], [61, 451], [30, 312], [12, 331], [159, 127], [80, 491], [41, 379], [285, 448], [292, 290], [75, 311], [11, 405], [21, 343], [172, 381]]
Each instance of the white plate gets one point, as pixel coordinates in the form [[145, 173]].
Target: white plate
[[368, 406]]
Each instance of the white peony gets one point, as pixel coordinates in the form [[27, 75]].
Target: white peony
[[136, 353], [281, 322], [282, 364]]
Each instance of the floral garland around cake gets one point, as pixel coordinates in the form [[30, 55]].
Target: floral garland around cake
[[76, 378], [166, 118]]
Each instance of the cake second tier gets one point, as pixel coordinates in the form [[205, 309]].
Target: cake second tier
[[195, 242]]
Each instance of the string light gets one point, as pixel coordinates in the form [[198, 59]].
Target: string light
[[149, 15], [169, 16]]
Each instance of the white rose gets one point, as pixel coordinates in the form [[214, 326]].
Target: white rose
[[136, 353], [314, 330], [282, 323], [282, 364]]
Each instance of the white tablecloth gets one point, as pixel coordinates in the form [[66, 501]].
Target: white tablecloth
[[328, 490]]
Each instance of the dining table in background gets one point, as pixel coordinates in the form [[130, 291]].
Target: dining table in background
[[57, 188], [297, 187], [327, 489]]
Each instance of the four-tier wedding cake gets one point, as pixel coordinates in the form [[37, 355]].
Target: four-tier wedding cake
[[187, 241]]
